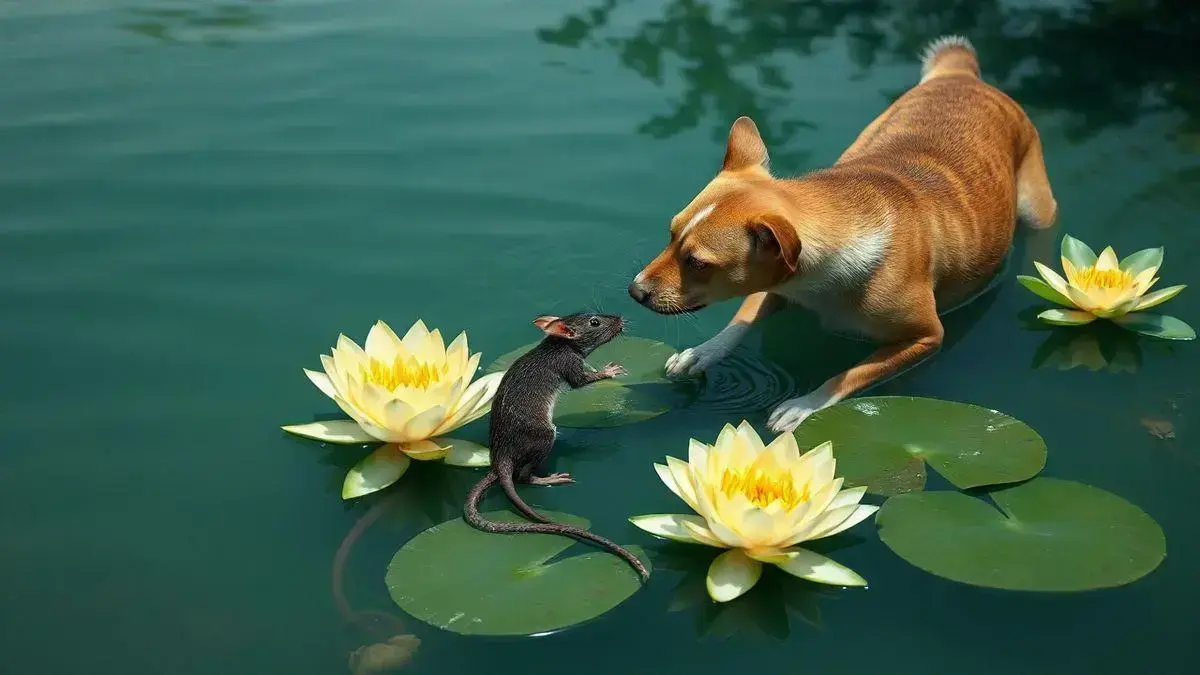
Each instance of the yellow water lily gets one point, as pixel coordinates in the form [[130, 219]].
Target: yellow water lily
[[1103, 287], [759, 502], [406, 392]]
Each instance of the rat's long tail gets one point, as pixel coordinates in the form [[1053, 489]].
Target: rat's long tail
[[471, 513]]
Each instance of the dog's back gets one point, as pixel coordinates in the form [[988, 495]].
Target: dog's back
[[961, 160]]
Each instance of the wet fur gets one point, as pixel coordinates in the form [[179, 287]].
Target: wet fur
[[522, 430]]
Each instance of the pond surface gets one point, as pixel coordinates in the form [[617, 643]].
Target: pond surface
[[197, 197]]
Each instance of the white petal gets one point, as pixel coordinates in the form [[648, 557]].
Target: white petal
[[847, 497], [321, 380], [476, 401], [425, 450], [382, 343], [681, 473], [375, 472], [345, 432], [683, 491], [416, 337], [1107, 260], [698, 455], [397, 414], [860, 514], [1052, 278], [816, 567], [676, 527], [423, 424], [731, 574]]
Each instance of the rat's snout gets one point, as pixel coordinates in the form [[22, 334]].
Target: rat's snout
[[639, 291]]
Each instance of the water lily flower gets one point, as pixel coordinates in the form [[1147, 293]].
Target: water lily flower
[[406, 393], [1101, 287], [759, 502]]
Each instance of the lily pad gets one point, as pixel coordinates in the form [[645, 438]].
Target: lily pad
[[883, 442], [1044, 535], [462, 580], [643, 393]]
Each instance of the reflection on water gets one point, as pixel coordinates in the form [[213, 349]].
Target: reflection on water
[[1104, 63], [197, 21]]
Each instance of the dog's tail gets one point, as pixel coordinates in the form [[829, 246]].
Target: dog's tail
[[949, 55]]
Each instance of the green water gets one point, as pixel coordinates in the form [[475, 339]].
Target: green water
[[196, 198]]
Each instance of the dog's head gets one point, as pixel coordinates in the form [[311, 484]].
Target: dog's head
[[733, 239]]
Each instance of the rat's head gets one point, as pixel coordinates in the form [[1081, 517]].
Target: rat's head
[[733, 239], [585, 330]]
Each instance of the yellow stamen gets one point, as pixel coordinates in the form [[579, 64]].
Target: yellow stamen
[[1090, 278], [763, 488], [401, 373]]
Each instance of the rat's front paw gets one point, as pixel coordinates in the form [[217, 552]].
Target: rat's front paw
[[694, 361], [613, 370], [789, 414]]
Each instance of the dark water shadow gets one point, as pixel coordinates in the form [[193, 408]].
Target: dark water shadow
[[1103, 63], [197, 21]]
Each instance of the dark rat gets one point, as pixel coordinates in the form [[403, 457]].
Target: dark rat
[[522, 420]]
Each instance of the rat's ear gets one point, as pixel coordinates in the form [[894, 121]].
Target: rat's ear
[[746, 147], [552, 325], [774, 233]]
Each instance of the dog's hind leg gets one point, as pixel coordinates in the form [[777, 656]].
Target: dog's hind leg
[[1035, 202]]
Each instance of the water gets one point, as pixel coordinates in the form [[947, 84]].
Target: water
[[197, 197]]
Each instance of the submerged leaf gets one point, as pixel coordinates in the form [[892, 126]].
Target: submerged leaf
[[1045, 535], [883, 441], [462, 580]]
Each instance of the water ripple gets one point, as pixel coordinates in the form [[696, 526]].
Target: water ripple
[[744, 381]]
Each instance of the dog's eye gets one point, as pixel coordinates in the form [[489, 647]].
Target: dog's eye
[[695, 263], [594, 323]]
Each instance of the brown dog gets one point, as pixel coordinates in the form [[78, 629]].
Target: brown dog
[[913, 220]]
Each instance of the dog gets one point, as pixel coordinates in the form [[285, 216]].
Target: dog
[[914, 219]]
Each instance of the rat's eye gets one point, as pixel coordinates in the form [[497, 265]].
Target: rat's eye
[[694, 263], [594, 322]]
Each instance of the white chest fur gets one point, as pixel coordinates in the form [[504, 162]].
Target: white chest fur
[[831, 278]]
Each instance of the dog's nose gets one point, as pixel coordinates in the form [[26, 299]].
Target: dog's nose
[[638, 292]]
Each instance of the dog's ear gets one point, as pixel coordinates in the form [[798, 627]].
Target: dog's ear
[[552, 325], [775, 234], [746, 147]]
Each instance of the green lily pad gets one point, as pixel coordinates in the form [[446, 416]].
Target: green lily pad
[[883, 442], [1156, 325], [465, 581], [1045, 535], [643, 393]]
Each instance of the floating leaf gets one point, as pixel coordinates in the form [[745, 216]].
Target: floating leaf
[[1046, 535], [1156, 325], [881, 442], [641, 394], [466, 581]]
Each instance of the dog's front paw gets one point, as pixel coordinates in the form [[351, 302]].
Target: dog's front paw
[[789, 414], [693, 361]]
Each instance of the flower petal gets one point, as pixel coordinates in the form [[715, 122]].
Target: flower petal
[[1045, 290], [684, 491], [732, 574], [397, 414], [816, 567], [672, 526], [1140, 261], [1107, 260], [465, 453], [843, 522], [681, 475], [416, 337], [382, 343], [375, 472], [1079, 253], [322, 382], [476, 401], [1156, 325], [423, 424], [1157, 297], [1066, 317], [425, 450], [703, 532], [344, 432]]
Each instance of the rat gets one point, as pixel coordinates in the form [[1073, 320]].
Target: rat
[[522, 430]]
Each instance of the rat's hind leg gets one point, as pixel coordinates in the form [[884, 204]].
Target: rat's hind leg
[[528, 471]]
